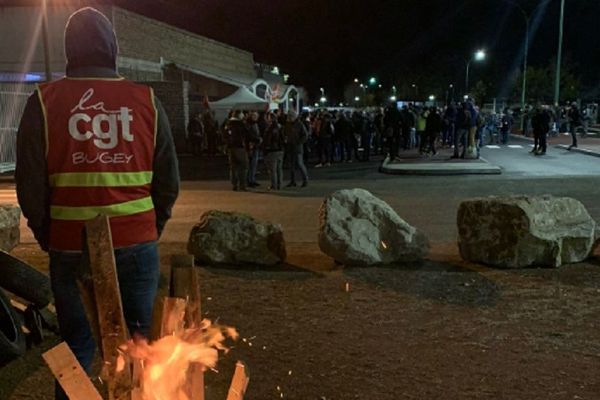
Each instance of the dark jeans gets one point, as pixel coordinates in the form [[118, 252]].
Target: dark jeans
[[325, 150], [460, 137], [253, 160], [274, 161], [138, 273], [543, 143], [296, 161], [573, 129], [238, 167]]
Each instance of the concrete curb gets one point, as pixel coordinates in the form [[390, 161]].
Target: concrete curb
[[587, 152], [439, 168]]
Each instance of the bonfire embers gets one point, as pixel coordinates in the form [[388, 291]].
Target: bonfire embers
[[165, 363]]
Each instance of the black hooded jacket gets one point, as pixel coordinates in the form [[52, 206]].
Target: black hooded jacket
[[91, 50]]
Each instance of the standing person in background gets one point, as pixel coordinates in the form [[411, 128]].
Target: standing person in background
[[254, 140], [574, 118], [450, 125], [67, 171], [325, 140], [540, 122], [367, 136], [195, 132], [236, 138], [295, 135], [273, 145], [378, 132], [210, 131], [421, 128], [392, 121], [506, 124], [433, 129], [463, 120]]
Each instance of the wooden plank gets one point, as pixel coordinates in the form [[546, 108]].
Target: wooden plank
[[185, 284], [112, 327], [69, 374], [239, 382], [173, 312]]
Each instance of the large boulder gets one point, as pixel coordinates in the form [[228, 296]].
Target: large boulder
[[236, 239], [9, 227], [357, 228], [521, 231]]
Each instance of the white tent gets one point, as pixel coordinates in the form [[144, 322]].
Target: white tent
[[242, 99]]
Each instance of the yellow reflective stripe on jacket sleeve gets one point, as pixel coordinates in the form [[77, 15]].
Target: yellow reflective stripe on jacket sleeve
[[100, 179], [114, 210]]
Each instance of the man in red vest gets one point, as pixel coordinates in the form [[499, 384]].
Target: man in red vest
[[93, 143]]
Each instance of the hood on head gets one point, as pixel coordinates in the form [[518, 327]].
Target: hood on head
[[90, 40]]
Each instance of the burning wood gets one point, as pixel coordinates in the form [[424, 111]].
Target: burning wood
[[169, 368], [165, 362]]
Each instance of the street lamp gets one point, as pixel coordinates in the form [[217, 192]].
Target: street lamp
[[372, 80], [526, 18], [357, 99], [323, 99], [355, 80], [431, 98], [478, 56], [416, 90], [559, 55], [393, 98]]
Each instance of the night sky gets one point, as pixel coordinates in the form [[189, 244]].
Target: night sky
[[329, 43]]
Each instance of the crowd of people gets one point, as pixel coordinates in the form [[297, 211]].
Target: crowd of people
[[325, 137]]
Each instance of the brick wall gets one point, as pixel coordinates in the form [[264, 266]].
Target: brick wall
[[174, 98], [147, 39]]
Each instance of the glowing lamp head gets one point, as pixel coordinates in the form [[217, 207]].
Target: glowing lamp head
[[372, 80], [480, 55], [323, 99], [357, 98], [431, 98], [393, 98]]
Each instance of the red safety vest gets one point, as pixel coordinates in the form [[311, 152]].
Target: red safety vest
[[100, 138]]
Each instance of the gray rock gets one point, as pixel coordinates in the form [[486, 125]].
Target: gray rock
[[521, 231], [9, 227], [236, 239], [357, 228]]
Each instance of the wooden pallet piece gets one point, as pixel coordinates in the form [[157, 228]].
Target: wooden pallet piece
[[239, 382], [185, 284], [69, 374], [173, 312], [112, 328]]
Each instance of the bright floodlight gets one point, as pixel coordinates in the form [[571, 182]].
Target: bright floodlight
[[323, 99], [393, 98], [372, 80], [355, 80], [357, 98], [431, 98], [480, 55]]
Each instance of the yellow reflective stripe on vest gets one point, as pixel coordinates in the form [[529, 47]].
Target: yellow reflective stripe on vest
[[100, 179], [114, 210]]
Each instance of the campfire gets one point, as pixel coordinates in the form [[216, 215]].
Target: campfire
[[170, 367]]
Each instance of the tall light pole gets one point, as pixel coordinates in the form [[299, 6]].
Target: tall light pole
[[478, 56], [45, 41], [526, 18], [559, 56]]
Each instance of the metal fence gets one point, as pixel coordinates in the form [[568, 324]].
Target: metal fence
[[13, 98]]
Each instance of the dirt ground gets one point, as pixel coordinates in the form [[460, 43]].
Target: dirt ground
[[439, 330], [442, 329]]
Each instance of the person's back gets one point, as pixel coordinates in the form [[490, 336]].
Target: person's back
[[236, 134], [93, 143]]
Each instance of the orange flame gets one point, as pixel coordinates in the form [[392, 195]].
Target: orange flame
[[165, 362]]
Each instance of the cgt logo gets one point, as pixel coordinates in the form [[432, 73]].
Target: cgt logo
[[104, 127]]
